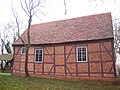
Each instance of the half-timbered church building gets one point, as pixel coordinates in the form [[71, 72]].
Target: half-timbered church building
[[74, 48]]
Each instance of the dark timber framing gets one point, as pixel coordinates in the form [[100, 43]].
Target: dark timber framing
[[101, 59], [72, 67]]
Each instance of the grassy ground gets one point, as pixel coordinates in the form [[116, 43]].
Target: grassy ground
[[8, 82], [5, 73]]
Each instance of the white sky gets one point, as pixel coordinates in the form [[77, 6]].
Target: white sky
[[54, 9]]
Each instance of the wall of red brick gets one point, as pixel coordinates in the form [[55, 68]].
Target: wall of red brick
[[61, 60]]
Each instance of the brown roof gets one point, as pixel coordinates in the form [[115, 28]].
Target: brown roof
[[91, 27]]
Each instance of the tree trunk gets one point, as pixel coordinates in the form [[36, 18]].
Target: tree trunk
[[30, 7], [27, 47], [26, 62], [1, 64]]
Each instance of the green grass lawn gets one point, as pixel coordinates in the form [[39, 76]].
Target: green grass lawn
[[5, 73], [8, 82]]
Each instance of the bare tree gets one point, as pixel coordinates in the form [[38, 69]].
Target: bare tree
[[11, 29], [117, 34], [65, 7], [30, 7], [8, 34], [3, 38]]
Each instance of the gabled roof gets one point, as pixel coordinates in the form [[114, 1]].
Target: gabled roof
[[84, 28]]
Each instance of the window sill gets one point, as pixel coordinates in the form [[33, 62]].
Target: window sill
[[82, 61], [38, 62]]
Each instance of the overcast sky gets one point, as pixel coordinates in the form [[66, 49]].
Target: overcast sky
[[54, 9]]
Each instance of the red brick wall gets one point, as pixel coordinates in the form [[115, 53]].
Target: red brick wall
[[61, 60]]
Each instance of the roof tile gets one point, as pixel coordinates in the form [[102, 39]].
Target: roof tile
[[91, 27]]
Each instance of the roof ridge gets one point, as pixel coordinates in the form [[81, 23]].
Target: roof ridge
[[72, 18], [89, 27]]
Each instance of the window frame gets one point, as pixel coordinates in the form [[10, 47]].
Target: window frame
[[22, 50], [35, 56], [86, 53]]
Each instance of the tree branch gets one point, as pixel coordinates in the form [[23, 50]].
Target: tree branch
[[24, 8], [65, 7]]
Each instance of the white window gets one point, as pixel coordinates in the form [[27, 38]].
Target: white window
[[39, 55], [23, 50], [81, 54]]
